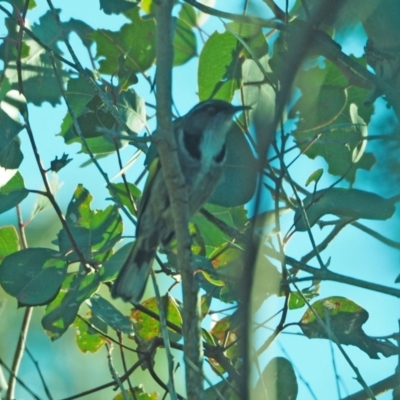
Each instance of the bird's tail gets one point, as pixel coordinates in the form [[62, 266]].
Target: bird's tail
[[132, 278]]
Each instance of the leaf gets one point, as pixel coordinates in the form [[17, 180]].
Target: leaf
[[33, 276], [93, 118], [219, 67], [205, 304], [57, 164], [62, 311], [315, 176], [95, 231], [226, 332], [252, 35], [109, 314], [210, 233], [19, 4], [134, 41], [87, 338], [132, 110], [296, 301], [10, 153], [318, 107], [187, 14], [345, 319], [329, 125], [117, 6], [278, 381], [9, 241], [36, 64], [214, 281], [119, 190], [148, 328], [184, 41], [12, 193], [351, 204], [139, 394]]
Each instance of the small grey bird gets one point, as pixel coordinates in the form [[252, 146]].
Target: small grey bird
[[201, 138]]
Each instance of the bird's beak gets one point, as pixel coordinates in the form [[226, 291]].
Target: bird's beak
[[240, 108]]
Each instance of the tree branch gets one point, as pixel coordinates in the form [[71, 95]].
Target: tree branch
[[179, 200]]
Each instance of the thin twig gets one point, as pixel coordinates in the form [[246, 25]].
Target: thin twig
[[19, 380], [165, 336], [19, 351], [45, 387]]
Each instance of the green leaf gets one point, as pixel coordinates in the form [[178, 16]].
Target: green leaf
[[110, 315], [134, 41], [62, 311], [36, 64], [211, 234], [92, 115], [205, 304], [120, 191], [253, 36], [139, 394], [10, 153], [33, 276], [225, 255], [188, 15], [345, 319], [9, 241], [148, 328], [95, 231], [226, 331], [87, 338], [12, 193], [315, 176], [132, 110], [296, 301], [328, 101], [117, 6], [78, 93], [278, 381], [219, 67], [318, 107], [184, 42], [210, 278], [350, 204], [19, 4], [126, 76]]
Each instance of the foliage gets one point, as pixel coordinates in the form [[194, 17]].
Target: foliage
[[307, 97]]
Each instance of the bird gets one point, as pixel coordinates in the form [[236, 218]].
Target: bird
[[201, 139]]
